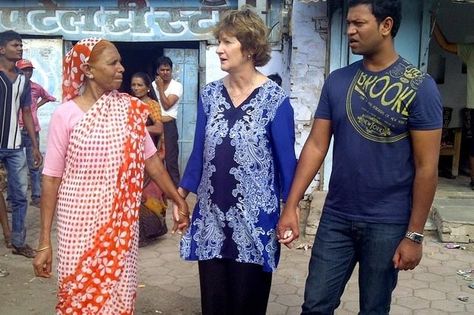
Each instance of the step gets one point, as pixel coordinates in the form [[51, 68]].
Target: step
[[454, 219]]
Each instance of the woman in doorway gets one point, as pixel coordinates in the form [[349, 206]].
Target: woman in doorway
[[142, 89], [242, 162], [98, 149], [153, 209]]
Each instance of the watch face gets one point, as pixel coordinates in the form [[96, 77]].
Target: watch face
[[415, 237], [418, 238]]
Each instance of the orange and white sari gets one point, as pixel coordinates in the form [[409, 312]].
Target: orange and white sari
[[97, 209], [98, 205]]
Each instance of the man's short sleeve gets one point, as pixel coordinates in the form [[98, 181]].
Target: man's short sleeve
[[25, 98], [175, 89], [324, 110], [427, 111]]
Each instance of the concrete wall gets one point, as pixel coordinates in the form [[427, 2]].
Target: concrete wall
[[308, 67]]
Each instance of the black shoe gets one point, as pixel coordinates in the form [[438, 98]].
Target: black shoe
[[472, 184]]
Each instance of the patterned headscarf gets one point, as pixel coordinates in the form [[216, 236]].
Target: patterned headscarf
[[73, 77]]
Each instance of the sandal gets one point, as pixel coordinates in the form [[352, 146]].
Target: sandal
[[8, 241], [26, 251]]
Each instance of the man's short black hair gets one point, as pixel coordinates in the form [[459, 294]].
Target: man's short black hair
[[382, 9], [8, 36], [163, 60]]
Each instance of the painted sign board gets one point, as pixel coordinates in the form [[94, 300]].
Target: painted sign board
[[119, 20]]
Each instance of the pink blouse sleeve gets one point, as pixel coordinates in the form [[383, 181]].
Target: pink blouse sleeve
[[60, 127], [58, 140]]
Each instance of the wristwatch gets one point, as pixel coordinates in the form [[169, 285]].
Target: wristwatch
[[415, 237]]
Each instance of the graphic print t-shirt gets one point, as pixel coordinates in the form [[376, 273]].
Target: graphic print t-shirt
[[373, 167]]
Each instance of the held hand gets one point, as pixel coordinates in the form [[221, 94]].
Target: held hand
[[38, 158], [288, 226], [180, 217], [408, 255], [42, 263]]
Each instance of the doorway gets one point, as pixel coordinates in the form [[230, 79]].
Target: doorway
[[142, 56], [185, 56]]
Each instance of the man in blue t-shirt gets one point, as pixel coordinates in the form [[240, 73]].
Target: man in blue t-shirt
[[386, 118], [15, 95]]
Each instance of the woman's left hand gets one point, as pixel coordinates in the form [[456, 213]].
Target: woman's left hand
[[180, 217]]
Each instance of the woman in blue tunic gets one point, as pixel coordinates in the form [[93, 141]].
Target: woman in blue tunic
[[242, 163]]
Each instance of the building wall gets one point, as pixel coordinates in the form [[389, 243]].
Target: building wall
[[307, 67]]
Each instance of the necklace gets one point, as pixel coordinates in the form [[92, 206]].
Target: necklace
[[238, 96]]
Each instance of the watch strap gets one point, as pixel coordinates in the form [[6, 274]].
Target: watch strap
[[414, 236]]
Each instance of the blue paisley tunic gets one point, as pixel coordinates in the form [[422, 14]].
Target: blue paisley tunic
[[242, 163]]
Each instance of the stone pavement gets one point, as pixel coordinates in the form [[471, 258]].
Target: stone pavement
[[168, 285]]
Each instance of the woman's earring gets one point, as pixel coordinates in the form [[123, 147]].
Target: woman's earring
[[90, 76], [249, 56]]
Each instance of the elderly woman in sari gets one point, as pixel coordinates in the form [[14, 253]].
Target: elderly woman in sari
[[98, 149], [242, 162]]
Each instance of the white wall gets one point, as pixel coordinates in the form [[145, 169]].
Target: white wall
[[213, 66], [308, 66], [278, 63]]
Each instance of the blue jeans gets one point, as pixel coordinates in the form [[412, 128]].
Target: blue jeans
[[35, 172], [15, 164], [338, 246]]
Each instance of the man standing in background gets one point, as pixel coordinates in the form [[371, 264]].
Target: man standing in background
[[169, 91], [15, 95], [39, 97]]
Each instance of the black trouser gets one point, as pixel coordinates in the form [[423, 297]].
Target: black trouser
[[233, 288], [171, 150]]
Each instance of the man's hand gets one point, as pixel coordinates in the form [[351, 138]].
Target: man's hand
[[37, 157], [408, 255], [288, 226]]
